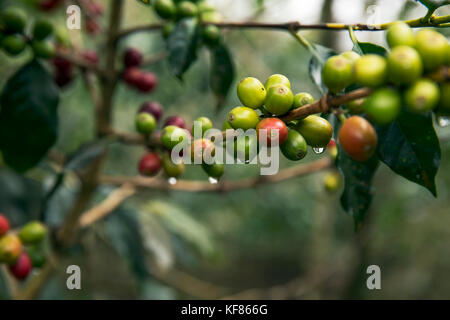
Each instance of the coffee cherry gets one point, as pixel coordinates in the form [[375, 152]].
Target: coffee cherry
[[175, 121], [316, 130], [211, 35], [37, 255], [150, 164], [243, 118], [276, 131], [277, 79], [43, 49], [153, 108], [171, 169], [211, 16], [215, 170], [202, 150], [432, 47], [145, 123], [48, 5], [279, 99], [295, 147], [355, 106], [32, 233], [422, 96], [63, 78], [92, 26], [42, 29], [251, 92], [10, 248], [132, 76], [132, 58], [337, 73], [205, 7], [400, 34], [90, 56], [203, 124], [246, 148], [350, 55], [383, 106], [61, 64], [358, 138], [370, 70], [4, 225], [302, 99], [186, 9], [147, 82], [13, 20], [172, 136], [14, 44], [166, 9], [167, 30], [332, 149], [332, 181], [404, 65], [226, 126], [444, 101], [22, 267]]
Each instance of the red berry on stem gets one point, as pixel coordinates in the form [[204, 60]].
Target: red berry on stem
[[176, 121], [147, 82], [277, 131], [90, 56], [154, 108], [22, 267], [92, 26], [150, 164], [132, 58], [132, 76], [4, 225]]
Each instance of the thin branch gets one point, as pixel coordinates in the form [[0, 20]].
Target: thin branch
[[79, 62], [225, 186]]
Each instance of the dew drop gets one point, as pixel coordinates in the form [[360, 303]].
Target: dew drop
[[172, 181], [443, 121], [319, 150], [213, 180]]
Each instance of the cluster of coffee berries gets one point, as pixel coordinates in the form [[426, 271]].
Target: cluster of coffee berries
[[143, 81], [24, 250], [93, 11], [13, 39], [402, 78]]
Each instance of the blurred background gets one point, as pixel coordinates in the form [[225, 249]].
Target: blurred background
[[289, 240]]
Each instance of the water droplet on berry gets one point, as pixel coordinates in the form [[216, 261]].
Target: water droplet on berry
[[443, 121], [172, 181], [319, 150], [213, 180]]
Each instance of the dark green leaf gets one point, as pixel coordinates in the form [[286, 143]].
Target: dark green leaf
[[434, 4], [28, 116], [367, 47], [4, 288], [315, 66], [182, 46], [357, 195], [222, 72], [410, 147]]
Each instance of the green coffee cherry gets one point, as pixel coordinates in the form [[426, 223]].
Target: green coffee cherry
[[145, 123], [383, 106], [168, 29], [211, 35], [246, 148], [13, 20], [370, 70], [432, 47], [171, 169], [277, 79], [279, 99], [422, 96], [186, 9], [43, 49], [37, 255], [211, 16], [32, 233], [14, 44], [171, 136], [295, 147], [302, 99], [205, 7], [400, 34], [351, 55], [166, 9], [243, 118], [203, 124], [337, 73], [42, 29], [215, 170], [355, 106], [404, 65], [316, 130], [251, 92]]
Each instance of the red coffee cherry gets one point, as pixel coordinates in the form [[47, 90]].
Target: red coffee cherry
[[61, 64], [358, 138], [132, 58], [275, 127], [92, 26], [132, 76], [176, 121], [4, 225], [48, 5], [22, 267], [150, 164], [147, 82], [154, 108], [90, 56], [63, 78]]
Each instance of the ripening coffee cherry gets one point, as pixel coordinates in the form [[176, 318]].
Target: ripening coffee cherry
[[211, 35], [14, 44], [172, 136], [279, 99], [295, 147], [132, 76], [42, 29], [150, 164], [302, 99], [316, 130], [243, 118], [203, 124], [277, 79], [432, 47], [171, 169], [332, 149], [400, 34], [10, 248], [422, 96], [332, 181], [147, 82], [90, 56], [370, 70], [251, 92], [358, 138], [176, 121], [186, 9], [383, 106], [32, 233], [276, 131], [201, 150], [4, 225], [337, 73], [22, 267], [43, 49], [355, 106], [154, 108], [404, 65], [13, 20], [166, 9], [246, 148], [215, 170], [351, 55], [132, 58], [145, 123]]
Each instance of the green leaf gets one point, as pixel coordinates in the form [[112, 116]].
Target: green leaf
[[5, 293], [410, 147], [182, 46], [434, 4], [315, 66], [367, 47], [222, 72], [28, 116], [357, 195]]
